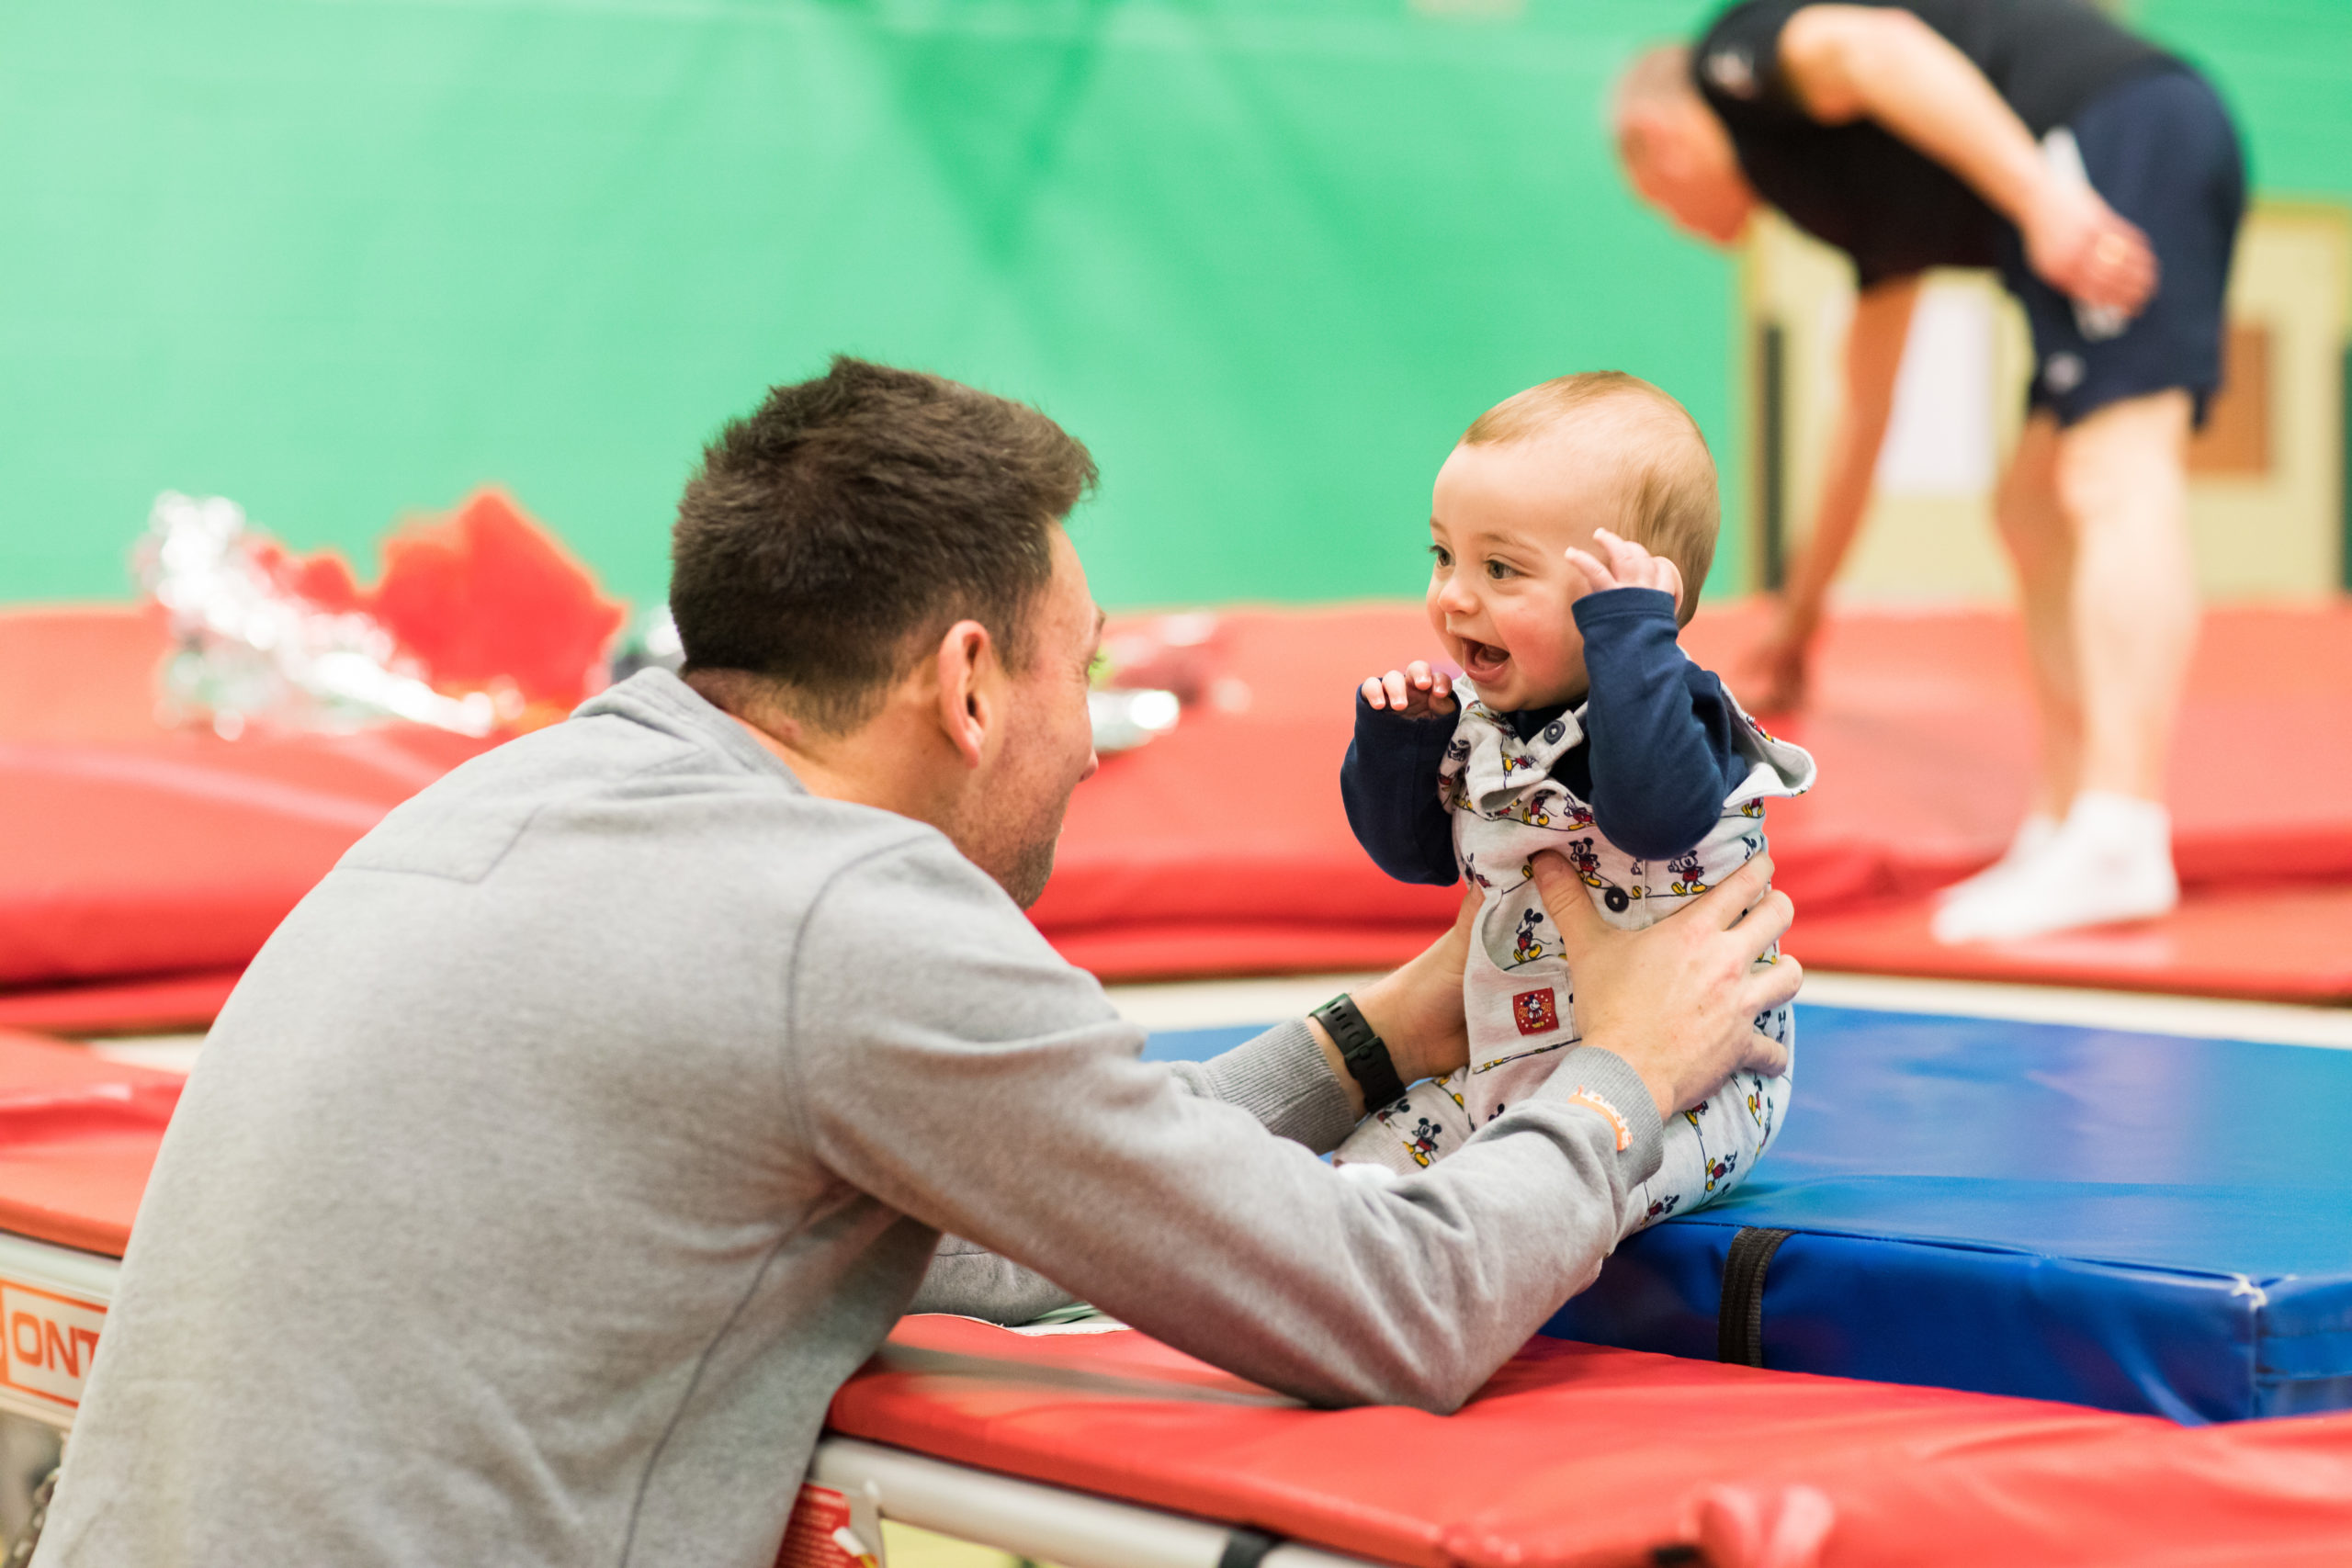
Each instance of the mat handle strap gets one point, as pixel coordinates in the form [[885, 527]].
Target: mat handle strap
[[1245, 1548], [1739, 1320]]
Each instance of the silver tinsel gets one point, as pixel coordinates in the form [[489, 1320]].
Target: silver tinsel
[[250, 650]]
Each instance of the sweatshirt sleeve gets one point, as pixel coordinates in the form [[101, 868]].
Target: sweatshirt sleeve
[[941, 1057], [1664, 753], [1280, 1078], [1389, 786]]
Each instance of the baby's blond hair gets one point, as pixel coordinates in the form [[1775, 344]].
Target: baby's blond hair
[[1670, 504]]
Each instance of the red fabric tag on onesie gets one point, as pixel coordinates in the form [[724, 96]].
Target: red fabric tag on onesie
[[1534, 1011]]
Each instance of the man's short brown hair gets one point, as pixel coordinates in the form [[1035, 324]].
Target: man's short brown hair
[[852, 519], [1670, 504]]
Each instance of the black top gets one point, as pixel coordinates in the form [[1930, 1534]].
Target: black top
[[1660, 753], [1859, 187]]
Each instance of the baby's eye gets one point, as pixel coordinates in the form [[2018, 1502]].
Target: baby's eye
[[1500, 570], [1444, 558]]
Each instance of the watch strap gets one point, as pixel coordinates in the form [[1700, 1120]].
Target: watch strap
[[1365, 1054]]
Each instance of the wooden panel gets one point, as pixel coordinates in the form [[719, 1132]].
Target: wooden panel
[[2237, 437]]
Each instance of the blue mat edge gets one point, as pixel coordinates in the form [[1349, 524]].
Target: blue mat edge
[[2177, 1344]]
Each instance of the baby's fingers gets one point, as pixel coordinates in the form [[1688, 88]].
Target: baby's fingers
[[1634, 566], [1432, 692], [1669, 578], [1398, 693], [1596, 575]]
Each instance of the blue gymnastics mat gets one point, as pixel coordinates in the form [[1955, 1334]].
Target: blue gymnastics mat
[[2137, 1222]]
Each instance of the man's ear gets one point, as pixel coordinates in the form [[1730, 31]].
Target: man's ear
[[966, 696]]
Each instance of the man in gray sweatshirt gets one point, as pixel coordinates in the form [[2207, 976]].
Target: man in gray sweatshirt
[[603, 1108]]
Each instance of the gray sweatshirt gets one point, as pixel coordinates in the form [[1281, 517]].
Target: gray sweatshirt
[[599, 1113]]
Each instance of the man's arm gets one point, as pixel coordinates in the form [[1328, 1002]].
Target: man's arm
[[1873, 358], [1848, 63], [985, 1088], [1292, 1079]]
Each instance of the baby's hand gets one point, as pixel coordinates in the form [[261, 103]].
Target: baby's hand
[[1414, 692], [1630, 566]]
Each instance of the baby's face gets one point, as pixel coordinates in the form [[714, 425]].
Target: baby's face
[[1501, 519]]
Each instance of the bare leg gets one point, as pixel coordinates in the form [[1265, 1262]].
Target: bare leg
[[2041, 548], [2041, 543], [2122, 478], [2096, 517]]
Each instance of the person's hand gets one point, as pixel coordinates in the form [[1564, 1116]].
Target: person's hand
[[2081, 247], [1417, 1010], [1414, 692], [1678, 1001], [1628, 566], [1781, 666]]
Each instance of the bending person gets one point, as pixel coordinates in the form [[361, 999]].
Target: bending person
[[2103, 178]]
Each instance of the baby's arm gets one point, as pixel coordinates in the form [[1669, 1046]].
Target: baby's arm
[[1404, 722], [1664, 750]]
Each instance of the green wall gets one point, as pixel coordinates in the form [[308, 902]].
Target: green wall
[[2286, 68], [346, 259]]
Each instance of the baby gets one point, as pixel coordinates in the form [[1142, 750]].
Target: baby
[[1570, 531]]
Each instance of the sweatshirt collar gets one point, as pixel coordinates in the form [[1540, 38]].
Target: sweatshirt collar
[[658, 700]]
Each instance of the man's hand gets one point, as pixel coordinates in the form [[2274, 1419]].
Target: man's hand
[[2078, 245], [1628, 566], [1414, 692], [1678, 1001], [1781, 666]]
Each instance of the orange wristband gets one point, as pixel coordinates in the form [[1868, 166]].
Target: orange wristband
[[1593, 1102]]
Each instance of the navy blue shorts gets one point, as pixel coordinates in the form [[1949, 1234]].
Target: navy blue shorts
[[2162, 151]]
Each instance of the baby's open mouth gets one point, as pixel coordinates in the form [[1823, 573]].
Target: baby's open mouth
[[1483, 660]]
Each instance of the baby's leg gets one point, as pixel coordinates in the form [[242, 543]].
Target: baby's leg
[[1711, 1148], [1413, 1133]]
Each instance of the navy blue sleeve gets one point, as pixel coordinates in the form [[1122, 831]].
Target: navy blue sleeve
[[1661, 731], [1389, 784]]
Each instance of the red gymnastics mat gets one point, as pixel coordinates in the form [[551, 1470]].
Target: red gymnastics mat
[[78, 1135], [141, 868], [1922, 726], [1575, 1454], [2290, 943], [1222, 847]]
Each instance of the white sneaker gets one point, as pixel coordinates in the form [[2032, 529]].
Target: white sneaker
[[2033, 836], [2111, 860]]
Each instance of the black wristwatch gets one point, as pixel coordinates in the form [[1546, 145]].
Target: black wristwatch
[[1366, 1053]]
